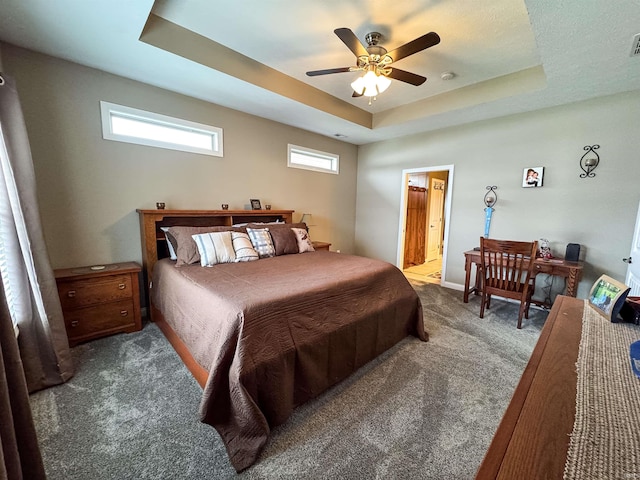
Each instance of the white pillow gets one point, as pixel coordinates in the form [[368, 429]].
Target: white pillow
[[172, 252], [304, 241], [243, 247], [214, 247], [262, 242]]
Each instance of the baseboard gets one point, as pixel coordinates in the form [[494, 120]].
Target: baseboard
[[453, 286]]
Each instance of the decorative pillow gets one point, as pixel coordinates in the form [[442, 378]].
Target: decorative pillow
[[214, 248], [243, 247], [184, 245], [277, 222], [272, 226], [262, 242], [285, 241], [172, 251], [304, 241]]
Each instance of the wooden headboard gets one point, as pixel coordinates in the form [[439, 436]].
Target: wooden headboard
[[153, 240]]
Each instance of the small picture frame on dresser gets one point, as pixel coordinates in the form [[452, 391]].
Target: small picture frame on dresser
[[255, 204]]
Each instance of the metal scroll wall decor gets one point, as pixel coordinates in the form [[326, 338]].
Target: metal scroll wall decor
[[490, 199], [589, 161]]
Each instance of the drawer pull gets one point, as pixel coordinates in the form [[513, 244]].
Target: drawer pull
[[124, 313], [71, 293], [75, 323], [121, 286]]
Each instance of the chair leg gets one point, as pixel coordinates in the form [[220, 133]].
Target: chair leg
[[482, 303], [489, 301], [520, 313]]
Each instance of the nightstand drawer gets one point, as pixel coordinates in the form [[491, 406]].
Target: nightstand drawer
[[91, 291], [100, 319]]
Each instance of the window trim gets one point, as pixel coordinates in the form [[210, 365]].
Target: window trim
[[314, 153], [109, 110]]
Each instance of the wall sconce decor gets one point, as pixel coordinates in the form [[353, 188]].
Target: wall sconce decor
[[490, 199], [589, 161]]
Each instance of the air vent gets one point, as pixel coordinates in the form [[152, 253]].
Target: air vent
[[635, 49]]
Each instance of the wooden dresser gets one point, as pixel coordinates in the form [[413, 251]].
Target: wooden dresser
[[99, 301], [533, 437]]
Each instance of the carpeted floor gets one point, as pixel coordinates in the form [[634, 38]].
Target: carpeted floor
[[420, 411]]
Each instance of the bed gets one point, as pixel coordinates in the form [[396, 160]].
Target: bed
[[265, 336]]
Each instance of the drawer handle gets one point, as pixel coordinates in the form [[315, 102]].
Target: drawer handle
[[75, 323], [71, 293], [124, 313], [121, 286]]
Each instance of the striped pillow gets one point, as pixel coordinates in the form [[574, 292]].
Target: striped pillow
[[243, 247], [214, 248], [262, 242]]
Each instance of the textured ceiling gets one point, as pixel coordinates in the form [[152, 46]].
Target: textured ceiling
[[509, 56]]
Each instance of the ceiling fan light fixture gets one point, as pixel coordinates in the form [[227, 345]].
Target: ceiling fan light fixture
[[358, 85], [370, 84], [383, 83]]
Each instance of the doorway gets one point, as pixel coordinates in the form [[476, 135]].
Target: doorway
[[424, 223]]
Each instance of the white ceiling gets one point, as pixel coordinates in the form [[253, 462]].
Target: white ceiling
[[509, 56]]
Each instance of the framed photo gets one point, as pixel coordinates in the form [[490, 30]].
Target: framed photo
[[532, 177], [255, 204], [607, 296]]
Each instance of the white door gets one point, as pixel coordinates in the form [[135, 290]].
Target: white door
[[633, 270], [436, 211]]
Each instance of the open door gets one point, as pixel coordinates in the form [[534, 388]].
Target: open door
[[633, 261], [436, 219], [409, 177]]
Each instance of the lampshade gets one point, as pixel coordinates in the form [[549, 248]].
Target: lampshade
[[306, 218], [370, 84]]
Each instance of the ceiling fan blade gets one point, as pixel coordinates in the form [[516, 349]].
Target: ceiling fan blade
[[327, 71], [356, 94], [415, 46], [406, 77], [351, 41]]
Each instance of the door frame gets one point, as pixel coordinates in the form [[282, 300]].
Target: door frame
[[632, 268], [402, 224]]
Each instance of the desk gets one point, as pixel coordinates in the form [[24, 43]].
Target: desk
[[572, 271], [533, 437]]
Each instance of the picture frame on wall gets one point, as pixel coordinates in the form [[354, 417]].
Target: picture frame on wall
[[532, 177], [607, 296], [255, 204]]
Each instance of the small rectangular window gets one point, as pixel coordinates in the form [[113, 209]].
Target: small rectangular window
[[130, 125], [308, 159]]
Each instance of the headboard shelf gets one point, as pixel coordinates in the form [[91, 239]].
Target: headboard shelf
[[153, 239]]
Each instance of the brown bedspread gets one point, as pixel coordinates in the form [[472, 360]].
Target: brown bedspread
[[277, 332]]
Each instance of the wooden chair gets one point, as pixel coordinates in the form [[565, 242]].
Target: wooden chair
[[507, 272]]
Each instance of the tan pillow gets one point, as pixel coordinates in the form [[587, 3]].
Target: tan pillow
[[184, 245], [304, 241], [284, 241]]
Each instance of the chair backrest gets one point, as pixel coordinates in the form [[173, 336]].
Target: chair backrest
[[506, 264]]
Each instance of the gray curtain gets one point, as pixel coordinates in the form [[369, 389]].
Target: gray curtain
[[30, 286], [19, 454]]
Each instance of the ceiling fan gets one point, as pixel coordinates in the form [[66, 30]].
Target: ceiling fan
[[376, 61]]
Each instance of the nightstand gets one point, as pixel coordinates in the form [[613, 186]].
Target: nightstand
[[99, 300], [320, 245]]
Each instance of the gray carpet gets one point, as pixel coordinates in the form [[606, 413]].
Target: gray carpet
[[421, 410]]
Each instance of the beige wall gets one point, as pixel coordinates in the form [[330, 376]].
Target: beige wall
[[89, 188], [599, 213]]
